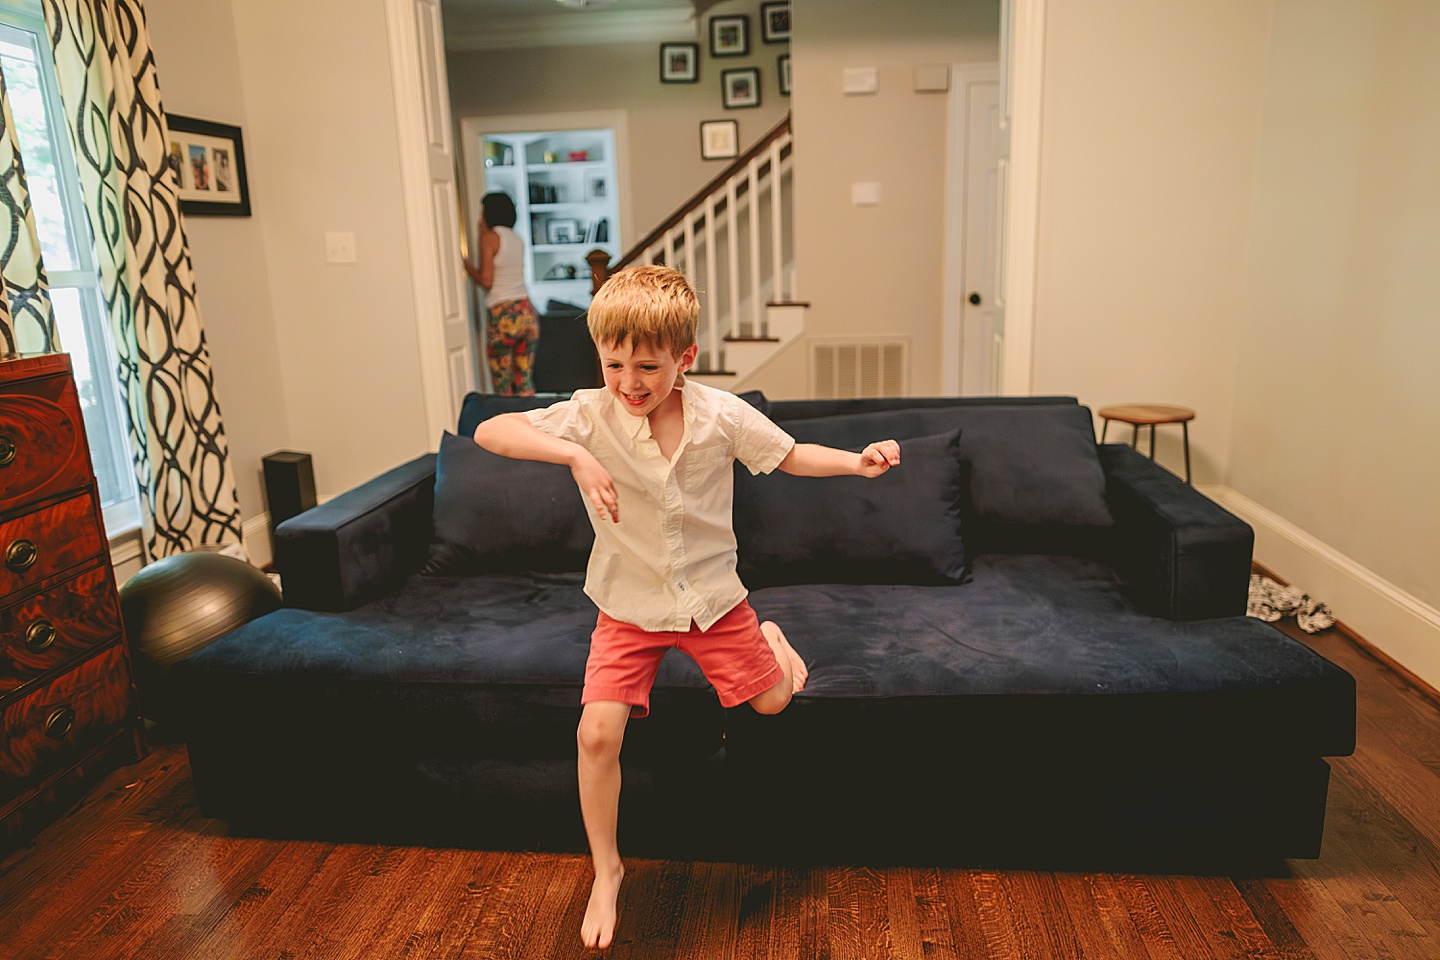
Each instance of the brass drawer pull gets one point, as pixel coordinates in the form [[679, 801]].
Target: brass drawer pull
[[59, 723], [41, 636], [7, 451], [21, 555]]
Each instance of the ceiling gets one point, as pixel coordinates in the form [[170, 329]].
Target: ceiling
[[505, 24]]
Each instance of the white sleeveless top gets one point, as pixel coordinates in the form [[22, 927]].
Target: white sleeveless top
[[509, 280]]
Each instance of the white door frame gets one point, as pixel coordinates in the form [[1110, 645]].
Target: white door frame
[[1022, 46], [434, 272], [956, 177]]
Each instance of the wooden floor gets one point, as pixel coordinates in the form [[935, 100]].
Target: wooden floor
[[135, 871]]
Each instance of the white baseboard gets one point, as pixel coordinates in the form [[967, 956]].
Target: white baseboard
[[255, 534], [1397, 623]]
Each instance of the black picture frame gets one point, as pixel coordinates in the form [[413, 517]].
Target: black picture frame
[[782, 74], [740, 88], [719, 139], [679, 62], [775, 22], [730, 35], [211, 155]]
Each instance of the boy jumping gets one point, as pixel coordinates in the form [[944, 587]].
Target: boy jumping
[[664, 576]]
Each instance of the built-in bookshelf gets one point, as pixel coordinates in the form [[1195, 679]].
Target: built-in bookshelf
[[564, 187]]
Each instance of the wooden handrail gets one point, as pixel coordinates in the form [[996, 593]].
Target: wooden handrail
[[600, 269]]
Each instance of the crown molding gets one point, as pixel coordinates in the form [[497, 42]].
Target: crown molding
[[572, 28]]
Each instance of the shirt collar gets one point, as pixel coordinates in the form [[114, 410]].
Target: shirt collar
[[639, 427]]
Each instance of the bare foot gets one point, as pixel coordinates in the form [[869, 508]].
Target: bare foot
[[597, 930], [799, 672]]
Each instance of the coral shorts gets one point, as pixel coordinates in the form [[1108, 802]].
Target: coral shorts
[[733, 655]]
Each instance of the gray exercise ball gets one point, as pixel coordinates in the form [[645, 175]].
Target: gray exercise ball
[[177, 605]]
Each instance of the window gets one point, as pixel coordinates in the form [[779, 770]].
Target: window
[[68, 250]]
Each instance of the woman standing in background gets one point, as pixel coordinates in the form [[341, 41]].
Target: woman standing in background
[[513, 327]]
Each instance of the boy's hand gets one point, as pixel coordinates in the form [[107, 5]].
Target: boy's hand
[[878, 458], [596, 486]]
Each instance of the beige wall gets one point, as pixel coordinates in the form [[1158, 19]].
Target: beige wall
[[1151, 120], [314, 356], [1337, 402], [663, 118], [875, 270], [199, 68]]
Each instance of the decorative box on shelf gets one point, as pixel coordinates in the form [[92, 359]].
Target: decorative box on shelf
[[67, 700]]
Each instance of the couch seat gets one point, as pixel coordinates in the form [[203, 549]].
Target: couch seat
[[1050, 650]]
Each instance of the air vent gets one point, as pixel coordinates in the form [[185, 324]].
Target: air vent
[[846, 369]]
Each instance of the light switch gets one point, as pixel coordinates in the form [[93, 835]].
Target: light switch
[[860, 80], [865, 193], [932, 78], [339, 247]]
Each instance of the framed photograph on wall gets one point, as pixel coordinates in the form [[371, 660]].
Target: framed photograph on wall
[[782, 72], [719, 139], [207, 167], [730, 36], [775, 21], [740, 88], [679, 62]]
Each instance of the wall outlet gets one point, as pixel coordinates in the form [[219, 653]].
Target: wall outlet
[[339, 247]]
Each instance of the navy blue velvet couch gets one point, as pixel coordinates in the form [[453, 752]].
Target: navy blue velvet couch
[[1086, 689]]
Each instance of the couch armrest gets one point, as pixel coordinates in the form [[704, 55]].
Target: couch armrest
[[350, 550], [1186, 557]]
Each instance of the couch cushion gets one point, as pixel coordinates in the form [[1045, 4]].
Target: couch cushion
[[483, 666], [785, 410], [494, 513], [1050, 651], [1028, 463], [900, 527]]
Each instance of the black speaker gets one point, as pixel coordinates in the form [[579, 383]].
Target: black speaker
[[289, 485]]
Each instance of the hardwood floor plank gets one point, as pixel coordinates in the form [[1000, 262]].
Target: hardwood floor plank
[[858, 920], [1103, 927]]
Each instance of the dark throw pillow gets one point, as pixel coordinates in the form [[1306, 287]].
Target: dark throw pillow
[[493, 513], [901, 527], [1027, 463]]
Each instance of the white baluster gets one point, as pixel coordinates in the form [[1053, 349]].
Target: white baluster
[[712, 289], [732, 249], [776, 248], [757, 306]]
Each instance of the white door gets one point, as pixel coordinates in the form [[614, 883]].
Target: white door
[[417, 53], [974, 320], [983, 320]]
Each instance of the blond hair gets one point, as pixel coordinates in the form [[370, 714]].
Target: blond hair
[[646, 304]]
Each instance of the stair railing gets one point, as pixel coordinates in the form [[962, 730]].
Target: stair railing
[[689, 240]]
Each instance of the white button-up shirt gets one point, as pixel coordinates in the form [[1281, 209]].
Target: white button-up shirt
[[671, 557]]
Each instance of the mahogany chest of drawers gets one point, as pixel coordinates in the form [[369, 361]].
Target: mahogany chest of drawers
[[67, 701]]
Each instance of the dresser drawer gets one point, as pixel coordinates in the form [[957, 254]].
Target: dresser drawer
[[63, 720], [36, 545], [43, 631], [42, 441]]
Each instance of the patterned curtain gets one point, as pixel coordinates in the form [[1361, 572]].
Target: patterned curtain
[[26, 324], [112, 101]]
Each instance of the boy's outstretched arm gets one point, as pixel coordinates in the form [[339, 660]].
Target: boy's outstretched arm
[[513, 435], [814, 460]]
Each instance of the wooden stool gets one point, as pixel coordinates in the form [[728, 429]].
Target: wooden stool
[[1149, 414]]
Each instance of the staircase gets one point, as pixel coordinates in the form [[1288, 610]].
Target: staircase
[[734, 241]]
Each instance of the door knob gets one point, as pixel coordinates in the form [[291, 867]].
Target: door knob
[[975, 299]]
